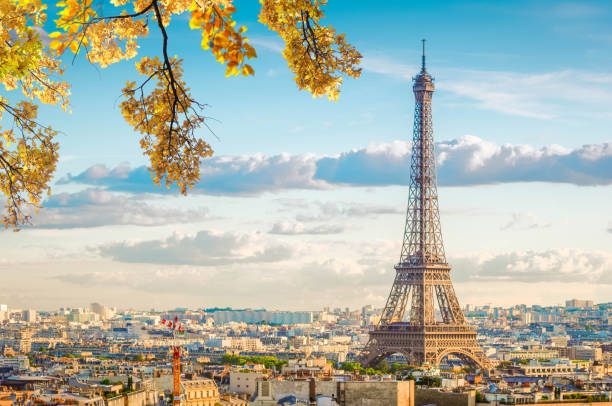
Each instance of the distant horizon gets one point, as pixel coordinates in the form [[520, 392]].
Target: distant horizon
[[281, 310]]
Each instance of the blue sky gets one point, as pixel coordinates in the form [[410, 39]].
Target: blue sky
[[303, 204]]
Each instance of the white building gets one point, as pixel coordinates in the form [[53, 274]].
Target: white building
[[244, 382], [19, 363], [29, 316], [585, 353], [3, 312], [258, 316]]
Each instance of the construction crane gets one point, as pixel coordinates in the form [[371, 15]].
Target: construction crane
[[176, 327]]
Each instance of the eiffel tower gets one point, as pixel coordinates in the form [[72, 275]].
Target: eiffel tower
[[409, 324]]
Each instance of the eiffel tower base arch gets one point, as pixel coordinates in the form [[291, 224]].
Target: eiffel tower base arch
[[432, 352]]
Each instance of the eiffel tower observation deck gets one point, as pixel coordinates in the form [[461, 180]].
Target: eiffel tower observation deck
[[422, 318]]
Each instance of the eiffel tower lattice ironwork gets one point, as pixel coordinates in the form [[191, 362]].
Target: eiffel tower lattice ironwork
[[409, 323]]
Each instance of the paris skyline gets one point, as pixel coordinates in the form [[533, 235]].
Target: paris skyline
[[303, 205]]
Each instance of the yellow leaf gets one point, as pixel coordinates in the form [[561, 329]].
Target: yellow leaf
[[205, 44], [74, 47], [195, 23]]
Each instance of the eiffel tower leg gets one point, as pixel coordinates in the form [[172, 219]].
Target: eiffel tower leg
[[453, 304], [415, 358], [371, 354]]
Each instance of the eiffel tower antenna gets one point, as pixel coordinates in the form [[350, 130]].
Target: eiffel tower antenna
[[423, 57], [408, 324]]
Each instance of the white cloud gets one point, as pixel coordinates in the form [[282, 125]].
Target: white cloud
[[98, 207], [544, 96], [470, 160], [269, 43], [363, 278], [525, 221], [575, 10], [387, 66], [327, 211], [298, 228], [559, 265], [205, 248], [463, 161]]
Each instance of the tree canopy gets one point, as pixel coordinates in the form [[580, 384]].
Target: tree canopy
[[267, 361], [160, 107]]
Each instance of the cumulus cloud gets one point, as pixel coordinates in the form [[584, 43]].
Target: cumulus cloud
[[98, 207], [470, 160], [297, 228], [206, 248], [464, 161], [560, 265], [237, 175]]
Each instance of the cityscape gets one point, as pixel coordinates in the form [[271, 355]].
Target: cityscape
[[99, 355], [248, 255]]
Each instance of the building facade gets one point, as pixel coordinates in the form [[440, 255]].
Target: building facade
[[200, 392]]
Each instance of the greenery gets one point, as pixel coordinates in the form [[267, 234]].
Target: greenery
[[110, 395], [574, 396], [268, 362], [480, 398], [382, 366], [356, 367], [430, 381], [582, 396], [396, 369], [105, 381]]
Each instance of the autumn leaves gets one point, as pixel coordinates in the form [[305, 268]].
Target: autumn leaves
[[160, 108], [227, 44], [28, 152], [317, 55]]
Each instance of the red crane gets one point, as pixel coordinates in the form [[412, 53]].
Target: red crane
[[176, 327]]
